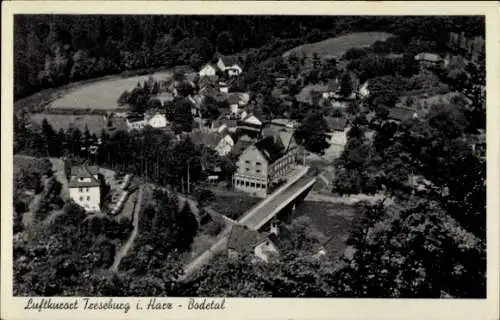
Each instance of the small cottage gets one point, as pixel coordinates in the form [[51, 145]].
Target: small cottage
[[135, 122], [85, 187], [230, 65], [245, 242]]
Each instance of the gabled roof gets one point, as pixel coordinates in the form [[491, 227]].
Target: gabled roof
[[285, 135], [86, 172], [135, 118], [271, 148], [243, 240], [336, 124], [252, 120]]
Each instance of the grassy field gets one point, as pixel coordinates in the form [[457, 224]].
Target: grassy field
[[335, 47], [100, 95]]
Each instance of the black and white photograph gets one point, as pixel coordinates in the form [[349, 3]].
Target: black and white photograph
[[249, 156]]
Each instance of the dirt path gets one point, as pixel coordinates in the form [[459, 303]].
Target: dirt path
[[135, 221], [50, 219], [29, 216], [60, 174]]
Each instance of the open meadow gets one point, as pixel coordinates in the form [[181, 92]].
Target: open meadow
[[101, 95], [336, 47]]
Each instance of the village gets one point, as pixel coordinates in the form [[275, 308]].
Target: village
[[248, 149]]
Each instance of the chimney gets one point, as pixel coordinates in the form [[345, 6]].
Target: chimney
[[274, 229]]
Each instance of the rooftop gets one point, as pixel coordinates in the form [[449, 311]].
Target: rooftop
[[84, 172], [213, 65], [135, 118], [285, 135], [271, 148], [244, 240]]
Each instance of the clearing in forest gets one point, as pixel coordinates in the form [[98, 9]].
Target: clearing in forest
[[102, 94], [336, 47]]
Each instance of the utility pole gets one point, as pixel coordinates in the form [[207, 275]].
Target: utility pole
[[189, 161]]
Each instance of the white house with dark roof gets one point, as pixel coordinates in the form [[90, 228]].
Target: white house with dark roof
[[85, 187], [157, 120], [230, 65], [336, 135], [262, 164], [135, 122]]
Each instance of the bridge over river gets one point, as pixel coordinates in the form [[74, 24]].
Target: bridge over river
[[295, 189]]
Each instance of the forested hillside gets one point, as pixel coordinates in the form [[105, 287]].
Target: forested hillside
[[52, 50]]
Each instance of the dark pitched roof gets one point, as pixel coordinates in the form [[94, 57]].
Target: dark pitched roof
[[135, 118], [86, 172], [336, 124], [243, 240], [401, 113], [285, 135], [242, 124], [271, 148]]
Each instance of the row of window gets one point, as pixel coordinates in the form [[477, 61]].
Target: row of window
[[88, 198], [86, 189], [243, 183], [257, 171], [257, 163]]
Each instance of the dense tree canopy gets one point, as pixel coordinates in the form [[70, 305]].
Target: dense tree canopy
[[312, 133], [51, 50]]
